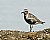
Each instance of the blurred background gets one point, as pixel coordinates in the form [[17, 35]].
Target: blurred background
[[12, 19]]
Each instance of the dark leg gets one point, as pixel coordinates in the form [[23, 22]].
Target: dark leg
[[30, 28]]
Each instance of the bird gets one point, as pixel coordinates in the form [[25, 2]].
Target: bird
[[31, 19]]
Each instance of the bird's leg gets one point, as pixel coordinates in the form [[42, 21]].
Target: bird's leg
[[30, 28]]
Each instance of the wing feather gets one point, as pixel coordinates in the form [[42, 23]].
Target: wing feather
[[31, 16]]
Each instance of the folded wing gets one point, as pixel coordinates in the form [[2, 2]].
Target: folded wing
[[33, 18]]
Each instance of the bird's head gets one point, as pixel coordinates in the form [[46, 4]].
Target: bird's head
[[25, 12]]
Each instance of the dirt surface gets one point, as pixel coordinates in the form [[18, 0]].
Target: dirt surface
[[19, 35]]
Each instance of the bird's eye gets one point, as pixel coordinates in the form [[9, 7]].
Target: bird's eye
[[25, 12]]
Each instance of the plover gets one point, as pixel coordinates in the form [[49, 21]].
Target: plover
[[31, 19]]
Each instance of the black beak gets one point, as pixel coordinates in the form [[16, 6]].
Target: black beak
[[22, 12]]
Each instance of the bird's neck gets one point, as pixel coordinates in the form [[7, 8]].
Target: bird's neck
[[24, 16]]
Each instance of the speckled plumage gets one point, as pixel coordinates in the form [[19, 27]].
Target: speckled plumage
[[30, 18]]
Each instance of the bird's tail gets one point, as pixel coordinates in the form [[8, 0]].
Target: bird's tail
[[42, 22]]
